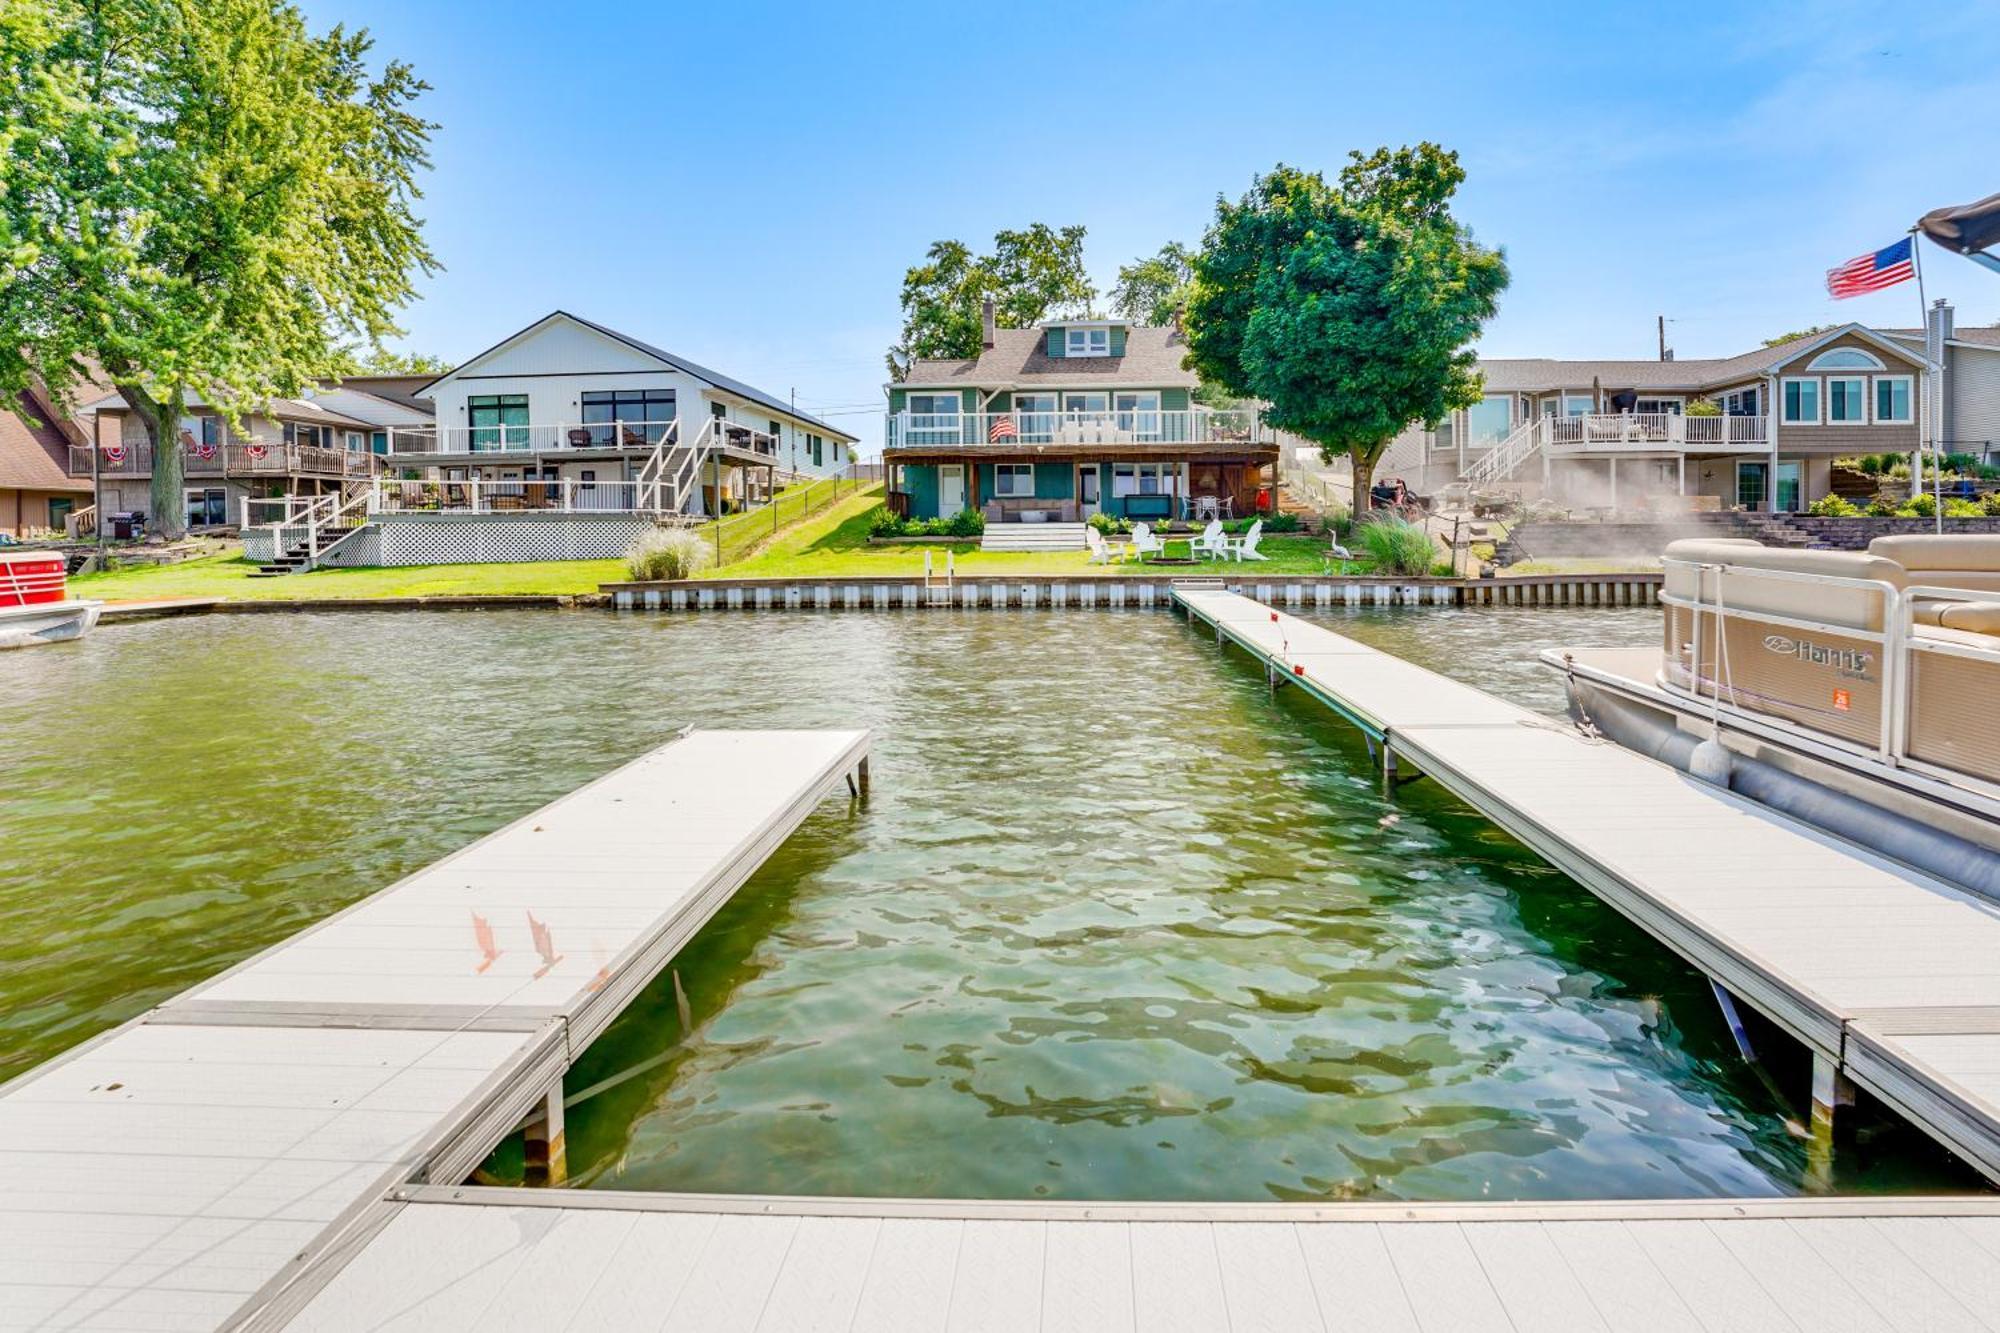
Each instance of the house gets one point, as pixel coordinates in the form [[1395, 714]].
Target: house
[[384, 402], [1754, 431], [566, 402], [1968, 389], [285, 447], [1068, 419], [37, 492]]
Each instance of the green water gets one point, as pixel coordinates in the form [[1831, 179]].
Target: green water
[[1115, 922]]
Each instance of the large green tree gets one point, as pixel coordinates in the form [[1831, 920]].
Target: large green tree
[[1348, 308], [201, 198], [1152, 290], [1030, 275]]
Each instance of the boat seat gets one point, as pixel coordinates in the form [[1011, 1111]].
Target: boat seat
[[1948, 560], [1859, 608], [1970, 617]]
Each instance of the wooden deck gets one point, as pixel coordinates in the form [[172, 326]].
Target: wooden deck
[[179, 1171], [1892, 978], [486, 1259]]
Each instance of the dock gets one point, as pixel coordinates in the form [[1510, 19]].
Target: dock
[[1891, 978], [183, 1170]]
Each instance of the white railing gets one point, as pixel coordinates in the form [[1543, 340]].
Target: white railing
[[567, 495], [1001, 430], [549, 437], [1653, 430], [1504, 459]]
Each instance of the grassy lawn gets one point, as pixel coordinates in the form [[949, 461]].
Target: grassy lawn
[[835, 545], [229, 577]]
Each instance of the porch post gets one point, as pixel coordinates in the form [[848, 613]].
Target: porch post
[[1613, 461], [1684, 473]]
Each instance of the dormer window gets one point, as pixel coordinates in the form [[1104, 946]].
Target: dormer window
[[1087, 342]]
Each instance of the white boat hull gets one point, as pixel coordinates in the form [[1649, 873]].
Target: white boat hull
[[55, 622]]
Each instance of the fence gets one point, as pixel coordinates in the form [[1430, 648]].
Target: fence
[[736, 535]]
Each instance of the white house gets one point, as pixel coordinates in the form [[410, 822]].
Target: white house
[[569, 400]]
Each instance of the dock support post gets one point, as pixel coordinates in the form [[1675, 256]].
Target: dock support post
[[1831, 1089], [861, 776], [547, 1155], [1388, 766], [1727, 1002]]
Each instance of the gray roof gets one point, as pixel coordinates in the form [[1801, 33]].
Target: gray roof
[[1019, 357], [282, 409], [1988, 336], [1539, 374]]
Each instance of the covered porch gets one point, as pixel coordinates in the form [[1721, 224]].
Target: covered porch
[[1030, 487]]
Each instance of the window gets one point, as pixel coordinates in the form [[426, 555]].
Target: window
[[1489, 420], [1669, 407], [378, 442], [1802, 402], [1087, 342], [1892, 399], [1036, 414], [1014, 480], [294, 433], [211, 430], [933, 417], [1846, 358], [1142, 479], [631, 417], [207, 508], [357, 442], [1750, 481], [497, 421], [1138, 413], [814, 444], [1846, 400], [1087, 403], [1578, 405], [1739, 403]]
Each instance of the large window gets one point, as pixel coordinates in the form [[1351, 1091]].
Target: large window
[[1142, 479], [1802, 402], [1138, 413], [1666, 407], [497, 421], [1751, 479], [1037, 415], [296, 433], [1014, 480], [1087, 342], [1846, 358], [1892, 400], [933, 418], [1846, 400], [1489, 420], [1739, 403], [631, 417]]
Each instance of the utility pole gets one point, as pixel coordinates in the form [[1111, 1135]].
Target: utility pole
[[1665, 355]]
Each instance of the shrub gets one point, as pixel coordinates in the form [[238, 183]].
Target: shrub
[[1918, 506], [1989, 504], [966, 523], [1704, 407], [1832, 506], [1399, 546], [674, 553], [1880, 508], [1282, 521], [882, 523], [1960, 462], [1870, 464], [1957, 508]]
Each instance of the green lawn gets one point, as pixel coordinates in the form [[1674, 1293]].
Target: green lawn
[[835, 544], [229, 577]]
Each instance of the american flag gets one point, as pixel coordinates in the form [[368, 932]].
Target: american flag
[[1001, 429], [1873, 271]]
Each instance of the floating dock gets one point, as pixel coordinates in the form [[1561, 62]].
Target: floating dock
[[1890, 978], [183, 1170]]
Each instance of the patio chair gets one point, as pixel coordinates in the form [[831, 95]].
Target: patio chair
[[1210, 543], [1245, 548], [1144, 543], [1103, 552]]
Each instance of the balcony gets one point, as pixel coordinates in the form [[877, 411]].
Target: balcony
[[1004, 431], [1653, 432], [251, 459]]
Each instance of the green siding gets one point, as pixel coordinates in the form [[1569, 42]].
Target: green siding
[[1117, 341], [1054, 342], [921, 481], [1002, 402], [1173, 400], [1053, 481]]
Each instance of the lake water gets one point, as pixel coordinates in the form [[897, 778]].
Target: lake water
[[1115, 923]]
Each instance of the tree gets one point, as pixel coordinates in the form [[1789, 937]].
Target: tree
[[1348, 309], [1030, 275], [202, 198], [1153, 290], [382, 361], [1801, 333]]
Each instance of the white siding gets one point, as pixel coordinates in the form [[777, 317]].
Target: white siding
[[1975, 394]]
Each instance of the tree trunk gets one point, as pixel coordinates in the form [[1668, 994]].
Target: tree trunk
[[1364, 477], [162, 420]]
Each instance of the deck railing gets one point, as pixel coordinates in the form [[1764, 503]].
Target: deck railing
[[567, 495], [1662, 430], [1006, 430], [558, 436], [250, 458]]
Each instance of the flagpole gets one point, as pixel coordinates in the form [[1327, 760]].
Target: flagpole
[[1930, 379]]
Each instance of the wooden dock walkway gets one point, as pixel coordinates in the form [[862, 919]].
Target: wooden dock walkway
[[1891, 978], [482, 1259], [181, 1170]]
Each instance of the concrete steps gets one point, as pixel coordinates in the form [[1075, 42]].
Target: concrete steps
[[1034, 537]]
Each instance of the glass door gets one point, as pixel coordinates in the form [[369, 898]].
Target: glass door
[[1791, 488], [1751, 481], [1086, 487]]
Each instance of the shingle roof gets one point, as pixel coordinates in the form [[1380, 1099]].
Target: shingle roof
[[34, 457], [1538, 374], [1988, 336], [1020, 357], [292, 409]]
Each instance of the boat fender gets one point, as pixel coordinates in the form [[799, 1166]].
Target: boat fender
[[1711, 762]]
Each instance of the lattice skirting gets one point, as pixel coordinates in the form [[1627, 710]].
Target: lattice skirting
[[495, 538], [260, 545]]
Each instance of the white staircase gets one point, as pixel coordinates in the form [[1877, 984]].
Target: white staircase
[[1506, 458], [1034, 537], [672, 475]]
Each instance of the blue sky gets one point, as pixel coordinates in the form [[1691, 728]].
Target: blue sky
[[745, 183]]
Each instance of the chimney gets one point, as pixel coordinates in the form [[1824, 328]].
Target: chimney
[[1939, 323], [986, 323]]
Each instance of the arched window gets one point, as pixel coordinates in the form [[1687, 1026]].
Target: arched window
[[1846, 358]]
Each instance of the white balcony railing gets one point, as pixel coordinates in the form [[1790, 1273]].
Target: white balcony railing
[[499, 497], [1653, 430], [1004, 430], [551, 437]]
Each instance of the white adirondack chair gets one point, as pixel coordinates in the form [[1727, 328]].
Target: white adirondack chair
[[1245, 547], [1103, 552], [1144, 543], [1211, 543]]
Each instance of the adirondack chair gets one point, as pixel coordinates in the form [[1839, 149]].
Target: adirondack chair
[[1144, 543], [1211, 543], [1245, 547], [1103, 552]]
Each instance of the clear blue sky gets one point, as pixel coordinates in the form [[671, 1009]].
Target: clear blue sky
[[744, 183]]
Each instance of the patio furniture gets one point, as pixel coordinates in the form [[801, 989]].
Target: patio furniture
[[1207, 506], [1144, 543], [1210, 543], [1245, 547], [579, 438], [1149, 506], [1103, 552], [1013, 509]]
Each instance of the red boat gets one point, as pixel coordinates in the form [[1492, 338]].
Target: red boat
[[35, 605]]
